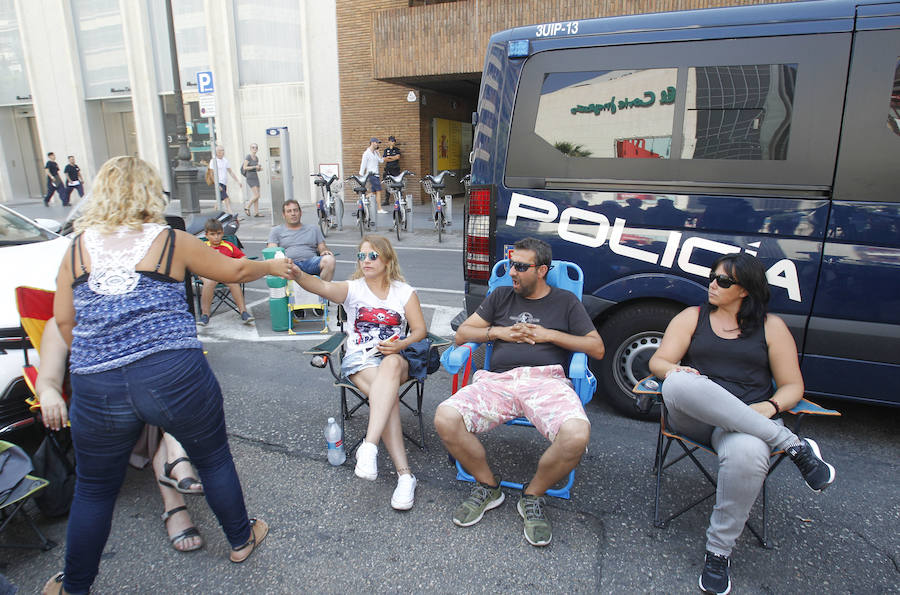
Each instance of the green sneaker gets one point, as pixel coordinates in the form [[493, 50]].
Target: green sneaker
[[481, 499], [537, 527]]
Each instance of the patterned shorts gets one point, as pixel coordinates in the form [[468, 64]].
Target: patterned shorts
[[542, 394]]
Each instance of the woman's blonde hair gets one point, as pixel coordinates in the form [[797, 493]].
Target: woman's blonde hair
[[385, 251], [127, 192]]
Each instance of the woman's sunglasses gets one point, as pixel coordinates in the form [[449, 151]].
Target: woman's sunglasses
[[361, 256], [724, 281]]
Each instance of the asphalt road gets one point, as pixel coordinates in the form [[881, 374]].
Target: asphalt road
[[332, 532]]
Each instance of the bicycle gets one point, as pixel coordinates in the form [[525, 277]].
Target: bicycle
[[329, 208], [433, 185], [364, 218], [401, 207]]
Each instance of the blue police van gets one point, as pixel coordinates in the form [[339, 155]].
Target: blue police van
[[643, 147]]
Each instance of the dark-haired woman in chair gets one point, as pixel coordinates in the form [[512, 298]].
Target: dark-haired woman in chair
[[719, 361]]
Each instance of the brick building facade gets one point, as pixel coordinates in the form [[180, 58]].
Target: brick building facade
[[388, 47]]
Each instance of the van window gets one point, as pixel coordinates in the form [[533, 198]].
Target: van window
[[870, 142], [616, 114], [739, 112], [755, 116]]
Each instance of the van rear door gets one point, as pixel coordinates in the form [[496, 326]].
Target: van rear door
[[853, 339]]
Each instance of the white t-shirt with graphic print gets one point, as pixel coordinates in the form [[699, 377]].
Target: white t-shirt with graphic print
[[371, 319]]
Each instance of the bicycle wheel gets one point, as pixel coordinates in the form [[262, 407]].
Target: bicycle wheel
[[323, 222], [440, 225], [397, 222], [339, 212], [361, 220]]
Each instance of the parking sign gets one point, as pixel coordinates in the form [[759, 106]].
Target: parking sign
[[205, 82]]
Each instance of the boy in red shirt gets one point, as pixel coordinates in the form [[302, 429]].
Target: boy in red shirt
[[214, 234]]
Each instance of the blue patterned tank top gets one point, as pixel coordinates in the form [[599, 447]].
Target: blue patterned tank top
[[121, 314]]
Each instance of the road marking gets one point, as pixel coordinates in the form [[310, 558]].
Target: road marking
[[223, 328], [396, 247]]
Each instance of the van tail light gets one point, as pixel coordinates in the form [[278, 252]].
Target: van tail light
[[478, 231]]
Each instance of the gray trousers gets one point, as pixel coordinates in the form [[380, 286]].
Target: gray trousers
[[743, 439]]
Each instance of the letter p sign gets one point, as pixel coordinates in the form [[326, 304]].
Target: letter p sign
[[205, 82]]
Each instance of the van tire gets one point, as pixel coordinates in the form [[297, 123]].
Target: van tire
[[631, 336]]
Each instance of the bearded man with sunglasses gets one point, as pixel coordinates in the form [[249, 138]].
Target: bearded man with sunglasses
[[534, 329]]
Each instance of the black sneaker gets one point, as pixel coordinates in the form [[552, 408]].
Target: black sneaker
[[715, 577], [817, 473]]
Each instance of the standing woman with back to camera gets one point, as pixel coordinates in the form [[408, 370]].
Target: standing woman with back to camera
[[135, 359]]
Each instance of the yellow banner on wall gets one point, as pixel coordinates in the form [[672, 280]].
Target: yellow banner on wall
[[447, 144]]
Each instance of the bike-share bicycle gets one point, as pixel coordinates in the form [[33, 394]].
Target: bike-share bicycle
[[329, 208], [364, 210], [402, 209], [433, 186]]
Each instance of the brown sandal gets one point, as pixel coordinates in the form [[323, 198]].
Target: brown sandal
[[258, 531], [54, 586]]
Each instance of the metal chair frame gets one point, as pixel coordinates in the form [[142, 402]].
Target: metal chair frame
[[333, 351], [689, 447]]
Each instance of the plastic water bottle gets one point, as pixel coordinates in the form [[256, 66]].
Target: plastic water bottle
[[336, 454]]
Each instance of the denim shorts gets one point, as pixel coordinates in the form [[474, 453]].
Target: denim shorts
[[310, 266], [376, 183], [356, 361]]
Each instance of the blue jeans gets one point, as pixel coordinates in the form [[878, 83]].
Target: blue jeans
[[310, 266], [175, 390]]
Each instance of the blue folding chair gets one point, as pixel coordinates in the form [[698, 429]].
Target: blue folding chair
[[458, 361]]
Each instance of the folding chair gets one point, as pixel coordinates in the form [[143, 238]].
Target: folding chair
[[332, 352], [35, 309], [221, 295], [459, 361], [649, 390], [13, 500], [311, 308]]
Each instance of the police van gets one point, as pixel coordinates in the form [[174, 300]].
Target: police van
[[644, 147]]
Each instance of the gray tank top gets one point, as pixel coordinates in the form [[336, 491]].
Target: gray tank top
[[740, 366]]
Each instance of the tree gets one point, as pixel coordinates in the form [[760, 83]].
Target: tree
[[571, 149]]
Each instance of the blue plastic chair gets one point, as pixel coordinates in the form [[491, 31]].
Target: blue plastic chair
[[458, 360]]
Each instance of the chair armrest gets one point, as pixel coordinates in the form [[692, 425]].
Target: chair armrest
[[809, 408], [578, 366], [437, 341], [456, 357], [583, 381], [329, 346], [651, 385]]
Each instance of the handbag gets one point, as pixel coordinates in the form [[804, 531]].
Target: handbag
[[210, 178], [55, 462]]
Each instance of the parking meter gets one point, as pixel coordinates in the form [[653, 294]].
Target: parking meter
[[281, 178]]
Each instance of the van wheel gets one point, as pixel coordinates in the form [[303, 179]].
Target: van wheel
[[631, 338]]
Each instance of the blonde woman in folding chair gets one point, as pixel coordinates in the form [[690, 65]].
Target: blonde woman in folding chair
[[719, 361], [170, 462], [379, 303]]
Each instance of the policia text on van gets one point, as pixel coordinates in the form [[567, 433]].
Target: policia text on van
[[643, 147]]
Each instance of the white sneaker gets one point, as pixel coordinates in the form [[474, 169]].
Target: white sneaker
[[404, 493], [367, 461]]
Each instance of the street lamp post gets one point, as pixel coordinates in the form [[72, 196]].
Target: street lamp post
[[185, 173]]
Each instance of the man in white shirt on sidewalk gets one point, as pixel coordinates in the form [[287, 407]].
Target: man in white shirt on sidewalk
[[369, 165]]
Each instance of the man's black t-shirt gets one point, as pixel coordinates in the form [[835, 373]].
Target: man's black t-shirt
[[391, 167], [72, 172], [53, 168], [558, 310]]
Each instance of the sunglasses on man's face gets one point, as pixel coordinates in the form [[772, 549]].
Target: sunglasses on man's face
[[361, 256], [723, 281], [521, 266]]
